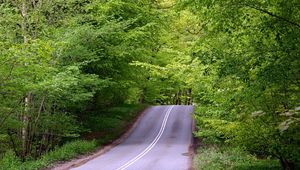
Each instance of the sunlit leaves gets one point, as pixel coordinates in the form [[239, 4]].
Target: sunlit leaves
[[249, 54]]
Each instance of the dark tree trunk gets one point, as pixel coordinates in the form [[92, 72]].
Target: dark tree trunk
[[286, 164]]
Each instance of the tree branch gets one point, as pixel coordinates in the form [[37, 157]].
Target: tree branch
[[273, 15]]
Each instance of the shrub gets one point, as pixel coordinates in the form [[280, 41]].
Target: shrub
[[66, 152], [10, 161], [214, 130], [213, 158], [70, 150], [262, 136]]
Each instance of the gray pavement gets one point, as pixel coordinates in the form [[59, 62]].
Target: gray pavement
[[160, 141]]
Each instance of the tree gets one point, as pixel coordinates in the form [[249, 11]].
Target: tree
[[32, 103], [249, 52]]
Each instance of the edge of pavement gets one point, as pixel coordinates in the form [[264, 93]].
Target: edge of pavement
[[194, 142]]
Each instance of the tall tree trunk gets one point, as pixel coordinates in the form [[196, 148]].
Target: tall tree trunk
[[24, 12], [179, 97], [24, 117], [25, 129], [189, 98], [142, 96]]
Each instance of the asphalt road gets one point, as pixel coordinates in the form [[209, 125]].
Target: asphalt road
[[160, 141]]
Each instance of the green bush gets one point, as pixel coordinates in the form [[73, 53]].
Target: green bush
[[214, 158], [10, 161], [66, 152], [214, 130], [70, 150], [262, 136]]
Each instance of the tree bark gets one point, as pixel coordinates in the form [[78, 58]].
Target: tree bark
[[25, 129], [287, 165], [24, 12]]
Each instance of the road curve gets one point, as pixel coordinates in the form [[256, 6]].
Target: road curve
[[160, 141]]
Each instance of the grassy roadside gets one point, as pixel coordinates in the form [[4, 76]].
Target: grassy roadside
[[230, 158], [102, 127]]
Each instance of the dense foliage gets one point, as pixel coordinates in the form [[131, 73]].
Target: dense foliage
[[62, 59], [248, 89], [65, 63]]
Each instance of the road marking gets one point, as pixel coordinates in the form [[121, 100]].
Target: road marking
[[153, 143]]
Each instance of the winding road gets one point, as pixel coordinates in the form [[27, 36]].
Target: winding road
[[160, 141]]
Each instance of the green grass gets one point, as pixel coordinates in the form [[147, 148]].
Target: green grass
[[214, 158]]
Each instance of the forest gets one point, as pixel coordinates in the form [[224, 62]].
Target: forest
[[74, 73]]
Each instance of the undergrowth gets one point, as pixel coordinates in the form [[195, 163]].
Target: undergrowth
[[229, 158], [102, 127], [66, 152]]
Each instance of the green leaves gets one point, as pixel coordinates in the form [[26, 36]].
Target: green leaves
[[61, 59], [248, 65], [71, 85]]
